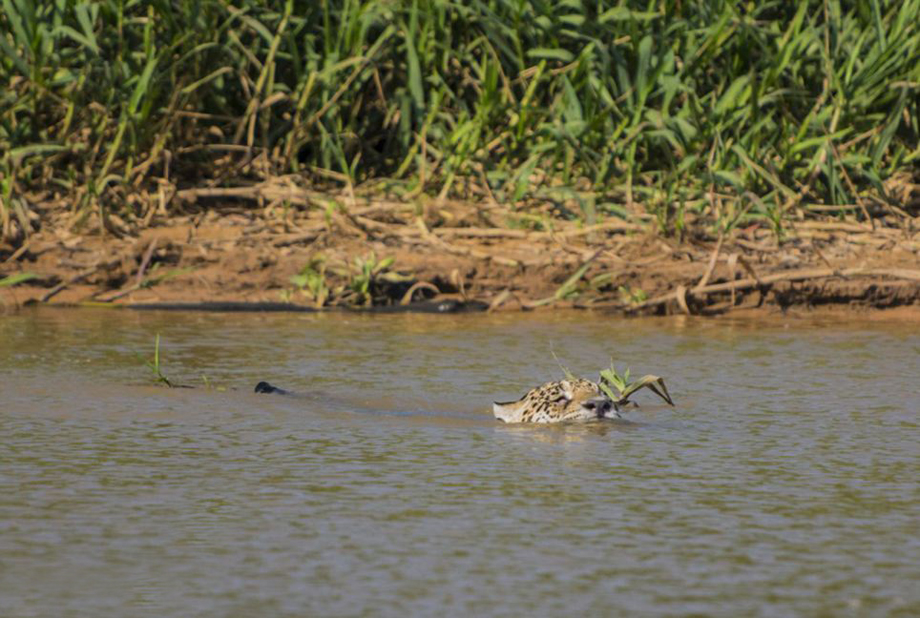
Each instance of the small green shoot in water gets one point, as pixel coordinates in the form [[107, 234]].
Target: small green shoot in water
[[155, 365], [625, 388]]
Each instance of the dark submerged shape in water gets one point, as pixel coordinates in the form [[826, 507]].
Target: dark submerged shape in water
[[265, 387]]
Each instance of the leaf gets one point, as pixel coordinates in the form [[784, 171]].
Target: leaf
[[761, 171], [820, 140], [543, 53], [610, 377], [16, 279], [141, 88], [729, 177], [35, 149], [643, 84], [606, 390], [86, 24], [573, 20], [572, 111], [415, 71], [652, 383], [384, 264], [77, 37], [12, 55], [259, 27], [734, 96], [621, 13], [566, 288], [522, 182]]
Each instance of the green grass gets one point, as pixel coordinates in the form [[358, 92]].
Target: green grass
[[363, 282], [728, 112], [11, 280], [154, 365]]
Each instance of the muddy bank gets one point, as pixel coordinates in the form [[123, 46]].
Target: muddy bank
[[363, 253]]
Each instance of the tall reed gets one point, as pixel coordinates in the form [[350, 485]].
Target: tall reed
[[728, 110]]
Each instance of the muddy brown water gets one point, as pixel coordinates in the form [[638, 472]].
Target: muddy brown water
[[785, 482]]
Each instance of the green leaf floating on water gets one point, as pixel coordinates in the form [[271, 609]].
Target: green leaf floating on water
[[610, 380]]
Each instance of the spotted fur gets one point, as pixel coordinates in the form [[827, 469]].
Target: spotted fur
[[554, 402]]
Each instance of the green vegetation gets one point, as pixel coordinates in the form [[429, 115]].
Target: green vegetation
[[16, 279], [632, 296], [311, 282], [154, 365], [363, 282], [367, 278], [610, 380], [723, 111]]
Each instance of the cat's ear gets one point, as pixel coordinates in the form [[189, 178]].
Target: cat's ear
[[509, 412]]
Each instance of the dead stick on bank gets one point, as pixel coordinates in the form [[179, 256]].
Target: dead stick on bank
[[77, 278], [18, 253], [145, 261], [712, 265]]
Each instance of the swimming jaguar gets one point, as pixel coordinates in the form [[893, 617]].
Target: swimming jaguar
[[554, 402]]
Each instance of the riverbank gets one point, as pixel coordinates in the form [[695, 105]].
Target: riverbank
[[278, 242], [695, 158]]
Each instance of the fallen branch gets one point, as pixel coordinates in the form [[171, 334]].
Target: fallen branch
[[832, 226], [712, 265], [476, 232], [77, 278], [18, 253], [430, 238], [148, 255], [796, 275], [584, 231], [145, 283]]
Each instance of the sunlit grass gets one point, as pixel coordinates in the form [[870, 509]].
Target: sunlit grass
[[723, 111]]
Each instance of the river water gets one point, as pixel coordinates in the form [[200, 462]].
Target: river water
[[784, 482]]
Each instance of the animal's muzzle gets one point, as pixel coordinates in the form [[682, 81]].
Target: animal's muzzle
[[601, 406]]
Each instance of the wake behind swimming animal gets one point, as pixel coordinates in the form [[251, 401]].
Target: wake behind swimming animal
[[571, 399]]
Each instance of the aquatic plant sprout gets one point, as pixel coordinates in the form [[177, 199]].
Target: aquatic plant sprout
[[611, 380], [154, 366]]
